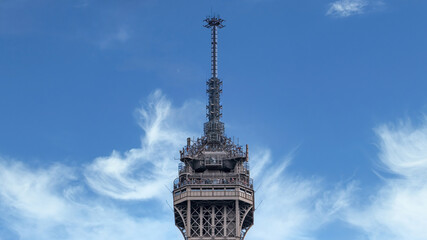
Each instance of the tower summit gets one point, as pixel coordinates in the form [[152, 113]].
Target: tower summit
[[213, 195]]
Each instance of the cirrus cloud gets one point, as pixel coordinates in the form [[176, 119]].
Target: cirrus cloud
[[141, 173], [346, 8], [398, 209]]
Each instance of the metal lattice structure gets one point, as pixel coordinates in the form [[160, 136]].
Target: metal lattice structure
[[213, 195]]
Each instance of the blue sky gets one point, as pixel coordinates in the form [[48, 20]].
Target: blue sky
[[97, 98]]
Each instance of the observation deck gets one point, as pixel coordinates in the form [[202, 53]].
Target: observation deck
[[213, 192]]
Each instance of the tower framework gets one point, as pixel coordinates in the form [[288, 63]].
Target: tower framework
[[213, 195]]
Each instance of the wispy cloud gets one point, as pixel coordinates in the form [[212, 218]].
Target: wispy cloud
[[293, 207], [142, 173], [59, 202], [52, 203], [346, 8], [398, 209], [121, 35]]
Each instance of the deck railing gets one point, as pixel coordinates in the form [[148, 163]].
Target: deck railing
[[185, 169], [213, 193], [214, 181]]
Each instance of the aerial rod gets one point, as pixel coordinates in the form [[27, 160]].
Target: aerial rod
[[214, 128], [214, 23]]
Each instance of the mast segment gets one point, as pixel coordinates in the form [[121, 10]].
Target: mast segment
[[214, 128]]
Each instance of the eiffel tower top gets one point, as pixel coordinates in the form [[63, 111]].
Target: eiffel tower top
[[214, 140], [213, 195]]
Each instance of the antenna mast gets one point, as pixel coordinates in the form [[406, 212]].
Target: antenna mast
[[214, 128]]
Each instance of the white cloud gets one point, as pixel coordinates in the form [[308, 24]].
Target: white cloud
[[57, 202], [346, 8], [121, 35], [292, 207], [31, 192], [143, 173], [51, 204], [398, 210]]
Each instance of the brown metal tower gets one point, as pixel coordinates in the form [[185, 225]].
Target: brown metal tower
[[213, 195]]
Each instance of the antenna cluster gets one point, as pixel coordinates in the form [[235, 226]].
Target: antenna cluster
[[214, 128]]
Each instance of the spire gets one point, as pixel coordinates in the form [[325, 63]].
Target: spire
[[214, 128], [214, 23]]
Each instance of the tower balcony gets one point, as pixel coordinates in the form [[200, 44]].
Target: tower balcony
[[228, 166], [202, 181], [211, 192], [213, 189]]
